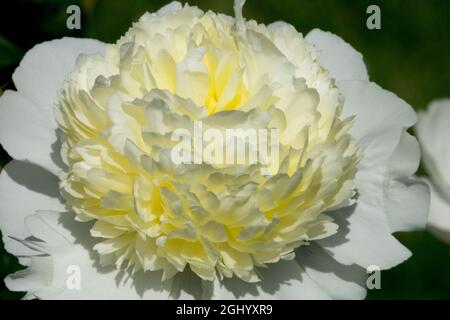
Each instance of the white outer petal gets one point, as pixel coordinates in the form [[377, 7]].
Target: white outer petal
[[24, 188], [373, 117], [337, 56], [337, 280], [390, 155], [433, 132], [66, 242], [282, 280], [407, 198], [47, 65], [364, 238], [439, 218], [27, 124], [380, 123], [26, 132]]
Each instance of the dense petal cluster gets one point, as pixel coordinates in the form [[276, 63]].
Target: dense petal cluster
[[171, 70]]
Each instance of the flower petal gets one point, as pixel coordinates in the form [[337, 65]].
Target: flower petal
[[364, 238], [26, 132], [390, 155], [407, 199], [433, 131], [27, 125], [66, 245], [380, 122], [337, 56], [24, 188], [337, 280], [45, 67], [439, 218], [282, 280]]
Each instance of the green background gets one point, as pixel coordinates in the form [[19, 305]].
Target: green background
[[408, 56]]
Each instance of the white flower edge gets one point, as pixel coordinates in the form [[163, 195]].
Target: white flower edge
[[439, 218], [38, 80], [433, 130], [330, 268]]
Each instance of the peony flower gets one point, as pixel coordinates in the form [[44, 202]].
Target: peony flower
[[432, 131], [94, 187]]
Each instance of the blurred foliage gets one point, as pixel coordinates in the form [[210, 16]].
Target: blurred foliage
[[408, 56], [9, 53]]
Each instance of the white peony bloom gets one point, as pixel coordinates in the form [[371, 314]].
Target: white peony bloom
[[433, 132], [94, 192]]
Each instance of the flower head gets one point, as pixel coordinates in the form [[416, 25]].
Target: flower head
[[306, 226]]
